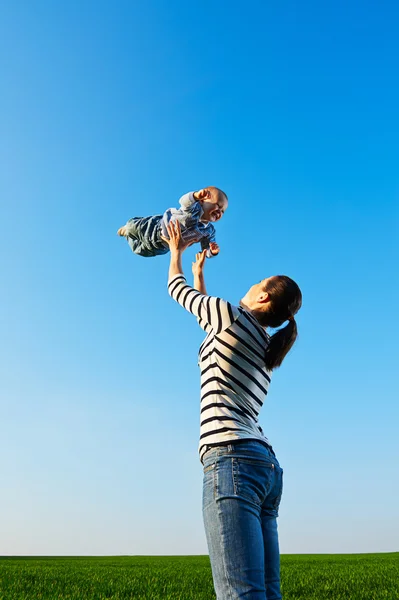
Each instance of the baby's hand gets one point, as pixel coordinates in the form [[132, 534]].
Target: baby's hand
[[122, 231], [214, 248], [202, 195]]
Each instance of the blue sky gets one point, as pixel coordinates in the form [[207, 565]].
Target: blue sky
[[112, 110]]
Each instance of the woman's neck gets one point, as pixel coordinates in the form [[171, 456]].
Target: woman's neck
[[255, 313]]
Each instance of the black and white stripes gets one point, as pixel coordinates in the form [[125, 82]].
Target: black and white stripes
[[234, 379]]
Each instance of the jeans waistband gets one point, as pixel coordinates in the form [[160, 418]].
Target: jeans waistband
[[238, 446]]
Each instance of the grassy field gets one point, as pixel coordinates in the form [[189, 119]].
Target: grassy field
[[304, 577]]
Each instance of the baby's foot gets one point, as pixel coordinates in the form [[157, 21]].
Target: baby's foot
[[122, 231]]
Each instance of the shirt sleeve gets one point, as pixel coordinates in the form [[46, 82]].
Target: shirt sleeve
[[211, 312], [188, 202]]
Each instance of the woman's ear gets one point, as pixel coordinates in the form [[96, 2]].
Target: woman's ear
[[263, 298]]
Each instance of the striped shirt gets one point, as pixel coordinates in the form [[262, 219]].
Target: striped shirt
[[234, 378]]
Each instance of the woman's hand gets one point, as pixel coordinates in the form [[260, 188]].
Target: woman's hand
[[175, 241], [198, 272], [198, 265], [177, 247]]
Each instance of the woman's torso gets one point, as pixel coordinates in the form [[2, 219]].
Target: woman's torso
[[234, 382]]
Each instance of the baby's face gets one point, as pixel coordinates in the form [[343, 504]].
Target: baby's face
[[214, 206]]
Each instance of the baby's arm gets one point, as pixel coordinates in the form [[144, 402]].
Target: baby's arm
[[189, 201]]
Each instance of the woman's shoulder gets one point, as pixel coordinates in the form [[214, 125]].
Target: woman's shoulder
[[248, 317]]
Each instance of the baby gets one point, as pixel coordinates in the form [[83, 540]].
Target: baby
[[197, 213]]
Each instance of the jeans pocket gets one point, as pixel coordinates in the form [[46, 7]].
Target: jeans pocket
[[208, 486], [224, 485], [252, 479], [277, 490]]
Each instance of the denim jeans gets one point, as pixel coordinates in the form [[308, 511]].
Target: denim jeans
[[144, 236], [241, 496]]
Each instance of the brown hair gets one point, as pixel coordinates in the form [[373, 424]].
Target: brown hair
[[285, 301]]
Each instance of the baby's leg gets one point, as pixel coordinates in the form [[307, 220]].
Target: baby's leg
[[135, 245], [143, 250], [130, 229], [143, 235]]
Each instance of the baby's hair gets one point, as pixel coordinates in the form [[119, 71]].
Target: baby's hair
[[219, 192]]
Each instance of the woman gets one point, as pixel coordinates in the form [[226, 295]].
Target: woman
[[242, 477]]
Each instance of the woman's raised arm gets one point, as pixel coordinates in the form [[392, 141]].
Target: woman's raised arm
[[212, 313], [198, 272], [176, 246]]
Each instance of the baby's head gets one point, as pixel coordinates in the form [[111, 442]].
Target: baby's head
[[214, 203]]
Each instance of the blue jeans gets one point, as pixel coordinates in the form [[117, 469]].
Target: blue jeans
[[144, 236], [241, 495]]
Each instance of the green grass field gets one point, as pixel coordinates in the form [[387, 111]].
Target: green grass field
[[304, 577]]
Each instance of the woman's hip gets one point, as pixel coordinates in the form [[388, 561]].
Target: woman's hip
[[246, 471]]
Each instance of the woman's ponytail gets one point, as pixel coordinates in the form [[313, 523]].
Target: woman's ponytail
[[280, 344], [285, 301]]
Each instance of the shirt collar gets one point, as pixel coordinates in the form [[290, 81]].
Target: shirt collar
[[205, 224]]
